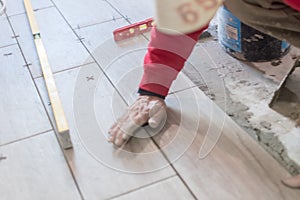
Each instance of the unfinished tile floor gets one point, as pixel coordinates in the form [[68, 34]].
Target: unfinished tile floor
[[97, 79]]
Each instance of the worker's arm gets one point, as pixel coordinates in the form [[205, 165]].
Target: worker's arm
[[167, 52], [165, 58]]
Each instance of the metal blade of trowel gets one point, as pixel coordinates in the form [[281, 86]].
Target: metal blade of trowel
[[283, 82]]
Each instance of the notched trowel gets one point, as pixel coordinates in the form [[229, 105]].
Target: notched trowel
[[283, 82]]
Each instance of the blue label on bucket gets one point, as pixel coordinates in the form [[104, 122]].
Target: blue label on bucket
[[284, 46], [229, 30]]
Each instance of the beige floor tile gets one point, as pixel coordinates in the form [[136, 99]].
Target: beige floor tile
[[236, 168], [91, 106], [63, 48], [35, 169], [15, 7], [6, 36], [98, 34], [83, 13], [170, 189], [123, 61], [21, 111], [135, 12]]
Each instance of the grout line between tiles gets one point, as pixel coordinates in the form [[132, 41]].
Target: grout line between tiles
[[78, 27], [142, 187], [25, 138], [48, 115], [123, 99], [173, 167], [184, 89], [9, 45], [124, 16], [104, 73], [164, 155], [35, 85], [117, 10], [102, 70], [37, 9], [256, 159], [64, 70]]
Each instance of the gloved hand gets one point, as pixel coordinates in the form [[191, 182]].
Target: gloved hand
[[293, 182], [146, 109]]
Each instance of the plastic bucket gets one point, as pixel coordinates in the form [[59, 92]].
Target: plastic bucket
[[246, 43]]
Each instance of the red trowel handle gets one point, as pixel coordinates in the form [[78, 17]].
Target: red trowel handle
[[133, 30]]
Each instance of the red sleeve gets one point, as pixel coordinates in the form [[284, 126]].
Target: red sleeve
[[293, 3], [165, 58]]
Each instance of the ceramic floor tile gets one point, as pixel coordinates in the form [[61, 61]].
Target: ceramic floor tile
[[91, 106], [6, 34], [170, 189], [63, 48], [2, 10], [236, 168], [83, 13], [203, 71], [21, 111], [14, 7], [135, 11], [126, 74], [97, 35], [123, 61], [35, 169], [104, 49]]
